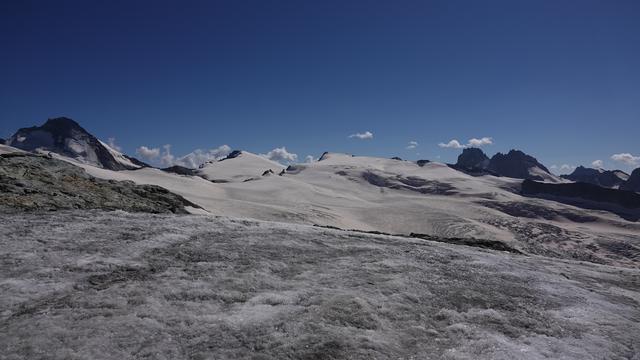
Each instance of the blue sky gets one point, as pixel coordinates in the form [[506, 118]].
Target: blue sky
[[557, 79]]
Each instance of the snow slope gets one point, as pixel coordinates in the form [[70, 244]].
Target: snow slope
[[400, 197], [6, 149], [120, 157], [245, 166], [89, 285]]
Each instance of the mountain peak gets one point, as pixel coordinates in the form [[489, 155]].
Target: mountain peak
[[517, 164], [633, 182], [66, 137], [62, 121], [600, 177], [473, 160]]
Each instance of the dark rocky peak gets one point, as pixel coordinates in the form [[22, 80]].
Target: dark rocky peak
[[422, 163], [232, 155], [396, 158], [63, 125], [472, 159], [517, 164], [604, 178], [633, 183], [66, 137], [323, 156]]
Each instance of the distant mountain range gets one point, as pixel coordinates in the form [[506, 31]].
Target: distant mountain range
[[605, 178], [65, 137], [514, 164], [510, 197]]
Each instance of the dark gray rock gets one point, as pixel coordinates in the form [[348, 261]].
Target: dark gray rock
[[180, 170], [66, 137], [604, 178], [515, 164], [624, 203], [472, 160], [422, 163], [31, 182], [323, 156], [232, 155], [633, 183]]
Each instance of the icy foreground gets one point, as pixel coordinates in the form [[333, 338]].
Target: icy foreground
[[113, 285]]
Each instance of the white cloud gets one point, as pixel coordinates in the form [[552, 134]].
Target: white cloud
[[167, 158], [309, 159], [362, 136], [598, 164], [480, 142], [198, 156], [191, 160], [147, 153], [626, 158], [281, 155], [454, 144], [473, 142], [412, 145], [112, 144], [562, 169]]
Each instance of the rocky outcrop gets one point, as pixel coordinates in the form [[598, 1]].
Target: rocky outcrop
[[232, 155], [633, 183], [472, 160], [584, 194], [422, 163], [31, 182], [519, 165], [180, 170], [66, 137], [604, 178]]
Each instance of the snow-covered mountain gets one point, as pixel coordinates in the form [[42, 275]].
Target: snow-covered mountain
[[376, 194], [605, 178], [238, 166], [67, 138]]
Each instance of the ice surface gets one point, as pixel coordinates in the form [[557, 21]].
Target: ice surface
[[77, 285]]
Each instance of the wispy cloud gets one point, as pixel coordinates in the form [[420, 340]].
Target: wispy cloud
[[626, 158], [309, 159], [562, 169], [473, 142], [198, 157], [412, 145], [167, 158], [112, 144], [281, 155], [147, 153], [191, 160], [362, 136], [598, 164]]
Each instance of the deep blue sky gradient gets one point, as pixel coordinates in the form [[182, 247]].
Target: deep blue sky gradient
[[559, 79]]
